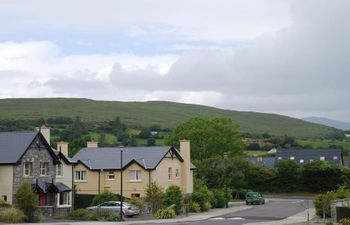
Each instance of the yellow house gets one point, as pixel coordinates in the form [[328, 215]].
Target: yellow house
[[99, 169]]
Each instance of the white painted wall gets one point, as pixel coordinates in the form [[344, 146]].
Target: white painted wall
[[6, 182]]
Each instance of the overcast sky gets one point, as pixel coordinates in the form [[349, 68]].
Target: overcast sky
[[287, 57]]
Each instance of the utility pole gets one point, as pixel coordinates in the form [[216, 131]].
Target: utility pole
[[121, 186], [225, 168]]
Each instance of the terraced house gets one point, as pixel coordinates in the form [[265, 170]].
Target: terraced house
[[99, 169], [28, 156]]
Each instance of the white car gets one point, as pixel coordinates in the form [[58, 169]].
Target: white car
[[129, 210]]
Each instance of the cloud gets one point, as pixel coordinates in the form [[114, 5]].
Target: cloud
[[301, 70]]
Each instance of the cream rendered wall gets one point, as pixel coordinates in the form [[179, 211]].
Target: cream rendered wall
[[6, 182], [66, 177], [160, 174], [90, 186]]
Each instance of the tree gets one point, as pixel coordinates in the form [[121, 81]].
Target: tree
[[151, 142], [102, 141], [173, 195], [26, 201], [287, 175], [209, 137], [154, 196]]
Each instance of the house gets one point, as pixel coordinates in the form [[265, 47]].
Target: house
[[302, 156], [28, 156], [268, 162], [99, 169]]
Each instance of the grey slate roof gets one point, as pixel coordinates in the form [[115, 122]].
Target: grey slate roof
[[13, 145], [268, 162], [333, 155], [109, 158], [45, 187]]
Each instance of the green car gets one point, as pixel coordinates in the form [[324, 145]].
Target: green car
[[254, 198]]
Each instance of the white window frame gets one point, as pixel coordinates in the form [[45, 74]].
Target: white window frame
[[292, 157], [28, 166], [170, 173], [279, 157], [66, 197], [335, 157], [134, 175], [322, 158], [177, 173], [44, 168], [80, 175], [301, 161], [59, 170], [110, 175]]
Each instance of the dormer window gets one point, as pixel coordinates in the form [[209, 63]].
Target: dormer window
[[292, 157], [322, 158], [335, 157]]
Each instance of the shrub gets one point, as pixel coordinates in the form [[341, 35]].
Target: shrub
[[194, 207], [83, 214], [107, 216], [203, 197], [104, 197], [4, 204], [154, 196], [345, 221], [137, 202], [26, 202], [173, 195], [323, 203], [207, 206], [12, 215], [165, 214], [220, 198]]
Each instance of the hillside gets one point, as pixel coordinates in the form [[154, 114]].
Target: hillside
[[329, 122], [165, 114]]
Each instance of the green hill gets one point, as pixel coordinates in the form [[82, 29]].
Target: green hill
[[165, 114]]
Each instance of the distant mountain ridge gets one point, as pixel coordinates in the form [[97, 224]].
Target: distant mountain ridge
[[162, 113], [329, 122]]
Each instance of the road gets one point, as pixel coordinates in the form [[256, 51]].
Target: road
[[275, 209]]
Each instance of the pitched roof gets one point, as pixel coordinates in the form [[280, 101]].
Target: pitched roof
[[14, 144], [65, 158], [109, 158], [334, 155]]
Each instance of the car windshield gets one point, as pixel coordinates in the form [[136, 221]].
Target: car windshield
[[253, 194]]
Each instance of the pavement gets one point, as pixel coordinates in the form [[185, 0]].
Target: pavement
[[297, 219]]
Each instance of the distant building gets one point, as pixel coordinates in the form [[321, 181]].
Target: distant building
[[268, 162]]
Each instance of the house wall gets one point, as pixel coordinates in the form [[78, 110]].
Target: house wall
[[6, 175], [160, 174], [66, 178], [90, 186], [35, 155]]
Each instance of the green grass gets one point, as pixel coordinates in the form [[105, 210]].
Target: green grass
[[110, 138], [325, 143], [159, 142], [255, 153], [165, 114]]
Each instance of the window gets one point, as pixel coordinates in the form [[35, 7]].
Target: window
[[335, 157], [64, 198], [322, 158], [170, 173], [134, 175], [177, 173], [4, 198], [59, 170], [80, 175], [44, 166], [279, 157], [301, 160], [311, 160], [110, 175], [292, 158], [28, 169]]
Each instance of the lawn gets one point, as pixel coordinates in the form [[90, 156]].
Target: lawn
[[345, 144]]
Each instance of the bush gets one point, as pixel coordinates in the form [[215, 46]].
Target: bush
[[323, 203], [154, 196], [26, 202], [194, 207], [83, 214], [12, 215], [173, 195], [345, 221], [220, 198], [203, 197], [107, 216], [165, 214], [104, 197], [137, 202], [4, 204]]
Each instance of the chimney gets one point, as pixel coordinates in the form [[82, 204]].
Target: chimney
[[62, 147], [45, 131], [91, 144], [186, 175]]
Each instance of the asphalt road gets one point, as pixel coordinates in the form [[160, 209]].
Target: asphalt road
[[275, 209]]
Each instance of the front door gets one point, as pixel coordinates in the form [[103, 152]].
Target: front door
[[42, 200]]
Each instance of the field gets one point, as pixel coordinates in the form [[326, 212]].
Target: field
[[166, 114], [345, 144]]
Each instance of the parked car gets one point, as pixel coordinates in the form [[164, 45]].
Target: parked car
[[114, 206], [254, 198]]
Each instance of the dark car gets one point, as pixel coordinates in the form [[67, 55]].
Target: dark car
[[254, 198], [114, 206]]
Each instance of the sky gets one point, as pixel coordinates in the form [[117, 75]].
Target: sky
[[290, 57]]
